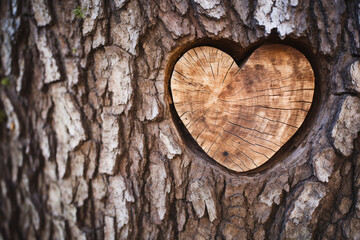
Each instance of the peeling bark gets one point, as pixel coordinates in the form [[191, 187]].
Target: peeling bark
[[90, 149]]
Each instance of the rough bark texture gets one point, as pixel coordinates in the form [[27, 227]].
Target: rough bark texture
[[90, 148]]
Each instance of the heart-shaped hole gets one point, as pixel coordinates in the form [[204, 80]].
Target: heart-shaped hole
[[242, 116]]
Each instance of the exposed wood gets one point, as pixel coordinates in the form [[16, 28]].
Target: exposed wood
[[88, 148], [242, 116]]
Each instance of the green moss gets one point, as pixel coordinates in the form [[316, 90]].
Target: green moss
[[5, 81], [79, 12], [2, 116]]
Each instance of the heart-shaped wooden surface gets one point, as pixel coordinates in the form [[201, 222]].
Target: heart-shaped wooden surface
[[242, 116]]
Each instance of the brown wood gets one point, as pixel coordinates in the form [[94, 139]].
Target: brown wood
[[88, 149], [242, 116]]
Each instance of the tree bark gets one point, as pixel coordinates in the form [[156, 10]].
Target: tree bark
[[90, 147]]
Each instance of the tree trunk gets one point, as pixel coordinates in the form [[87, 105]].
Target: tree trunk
[[91, 147]]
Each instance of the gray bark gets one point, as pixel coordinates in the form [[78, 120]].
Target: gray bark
[[90, 147]]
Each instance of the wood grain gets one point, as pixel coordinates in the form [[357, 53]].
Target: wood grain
[[242, 116]]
